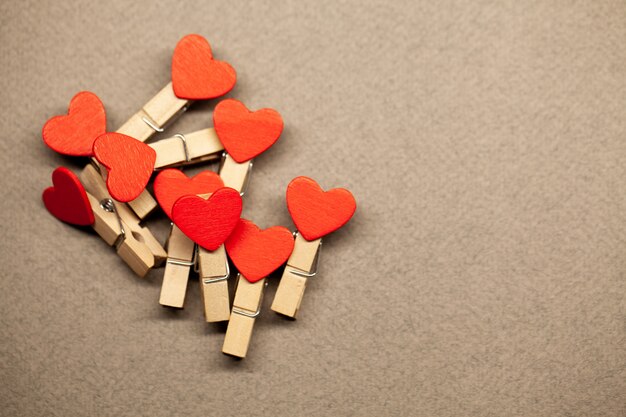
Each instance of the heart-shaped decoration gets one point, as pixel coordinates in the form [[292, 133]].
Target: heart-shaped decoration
[[75, 133], [208, 222], [195, 74], [129, 162], [67, 199], [171, 184], [317, 213], [257, 253], [244, 133]]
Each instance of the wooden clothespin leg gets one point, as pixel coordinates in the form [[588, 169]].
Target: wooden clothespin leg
[[256, 253], [234, 174], [154, 115], [246, 308], [302, 264], [180, 259], [139, 248], [214, 272], [114, 231], [191, 148]]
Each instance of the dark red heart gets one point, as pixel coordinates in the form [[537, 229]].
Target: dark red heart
[[317, 213], [75, 133], [257, 253], [130, 164], [195, 74], [208, 222], [67, 199], [171, 184], [244, 133]]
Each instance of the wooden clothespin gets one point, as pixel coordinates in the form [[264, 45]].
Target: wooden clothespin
[[191, 148], [209, 223], [256, 254], [195, 76], [169, 186], [155, 114], [213, 273], [68, 201], [315, 213], [245, 134], [139, 248]]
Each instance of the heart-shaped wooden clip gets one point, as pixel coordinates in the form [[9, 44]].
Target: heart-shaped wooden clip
[[171, 184], [244, 133], [195, 74], [129, 163], [317, 213], [73, 134], [208, 222], [67, 200], [257, 253]]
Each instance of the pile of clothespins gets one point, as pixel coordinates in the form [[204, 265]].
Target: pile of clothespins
[[205, 210]]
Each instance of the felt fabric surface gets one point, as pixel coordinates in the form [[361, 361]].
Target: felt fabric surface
[[483, 273]]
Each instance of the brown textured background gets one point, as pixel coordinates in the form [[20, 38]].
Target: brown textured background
[[483, 274]]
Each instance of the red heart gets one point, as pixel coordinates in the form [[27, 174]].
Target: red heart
[[130, 164], [317, 213], [257, 253], [171, 184], [75, 133], [67, 199], [195, 74], [208, 222], [244, 133]]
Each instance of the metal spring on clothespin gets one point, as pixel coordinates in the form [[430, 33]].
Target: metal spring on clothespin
[[108, 205]]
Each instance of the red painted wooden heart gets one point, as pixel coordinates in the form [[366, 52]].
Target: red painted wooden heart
[[171, 184], [317, 213], [195, 74], [67, 199], [208, 222], [75, 133], [130, 164], [257, 253], [244, 133]]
